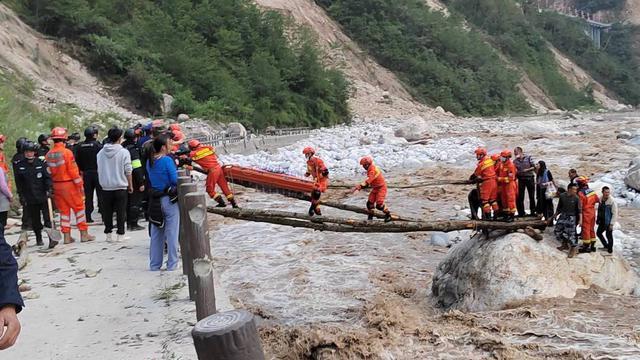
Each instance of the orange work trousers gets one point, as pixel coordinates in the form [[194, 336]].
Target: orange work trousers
[[588, 224], [216, 177], [378, 195], [489, 195], [508, 197], [68, 197]]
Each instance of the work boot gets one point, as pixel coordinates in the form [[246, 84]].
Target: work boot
[[68, 239], [495, 216], [233, 203], [370, 217], [220, 201], [39, 241], [317, 210], [387, 217], [586, 248], [135, 227], [565, 246], [573, 252], [52, 243], [85, 236], [610, 249], [510, 218], [312, 210]]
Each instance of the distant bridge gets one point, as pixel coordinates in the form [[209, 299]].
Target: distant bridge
[[593, 27]]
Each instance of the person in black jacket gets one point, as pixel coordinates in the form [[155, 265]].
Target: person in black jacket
[[10, 300], [19, 155], [43, 142], [135, 198], [72, 142], [34, 187], [86, 157]]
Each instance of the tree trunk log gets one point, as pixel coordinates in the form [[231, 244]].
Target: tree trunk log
[[411, 186], [326, 223], [230, 335]]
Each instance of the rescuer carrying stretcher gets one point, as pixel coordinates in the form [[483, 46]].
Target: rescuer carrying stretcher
[[320, 174], [205, 156], [378, 185]]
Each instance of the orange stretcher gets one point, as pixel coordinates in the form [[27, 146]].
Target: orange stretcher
[[267, 181]]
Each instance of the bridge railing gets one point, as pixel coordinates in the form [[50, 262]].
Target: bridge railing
[[222, 139]]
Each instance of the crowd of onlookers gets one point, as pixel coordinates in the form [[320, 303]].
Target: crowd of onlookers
[[579, 207]]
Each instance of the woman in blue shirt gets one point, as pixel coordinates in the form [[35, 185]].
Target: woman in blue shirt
[[163, 177]]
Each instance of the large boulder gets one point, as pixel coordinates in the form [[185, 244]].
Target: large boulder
[[480, 274], [413, 129], [236, 129], [167, 103], [632, 179]]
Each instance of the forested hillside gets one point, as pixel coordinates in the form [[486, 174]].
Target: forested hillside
[[221, 59]]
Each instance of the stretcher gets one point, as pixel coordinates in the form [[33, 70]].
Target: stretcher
[[267, 181]]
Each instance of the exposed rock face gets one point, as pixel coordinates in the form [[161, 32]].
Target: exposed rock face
[[632, 179], [480, 274]]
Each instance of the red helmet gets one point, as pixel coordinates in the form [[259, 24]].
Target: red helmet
[[193, 144], [59, 133], [481, 151], [178, 136], [506, 153], [308, 151], [366, 161], [175, 127], [495, 157]]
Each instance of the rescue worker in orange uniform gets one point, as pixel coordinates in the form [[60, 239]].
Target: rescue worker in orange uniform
[[320, 174], [588, 201], [378, 185], [485, 174], [507, 185], [68, 192], [206, 157], [496, 160]]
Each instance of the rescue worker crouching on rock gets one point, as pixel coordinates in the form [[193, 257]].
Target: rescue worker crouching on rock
[[507, 185], [378, 185], [68, 192], [34, 187], [485, 175], [588, 200], [320, 174], [206, 157]]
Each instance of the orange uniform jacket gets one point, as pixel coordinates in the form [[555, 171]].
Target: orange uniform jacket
[[375, 179], [206, 157], [315, 168], [5, 167], [488, 188], [588, 200], [62, 165], [507, 185]]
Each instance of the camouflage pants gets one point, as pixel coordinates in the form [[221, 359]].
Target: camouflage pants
[[565, 229]]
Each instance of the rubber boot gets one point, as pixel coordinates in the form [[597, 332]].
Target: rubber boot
[[52, 243], [510, 218], [573, 252], [220, 201], [233, 203], [495, 216], [85, 236], [312, 210], [593, 246], [370, 217], [68, 239], [387, 216], [565, 246], [39, 241], [585, 248]]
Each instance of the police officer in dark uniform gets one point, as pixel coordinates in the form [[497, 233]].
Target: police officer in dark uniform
[[135, 198], [72, 142], [86, 157], [19, 155], [43, 142], [34, 187]]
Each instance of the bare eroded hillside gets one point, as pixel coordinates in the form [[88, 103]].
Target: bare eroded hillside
[[57, 77]]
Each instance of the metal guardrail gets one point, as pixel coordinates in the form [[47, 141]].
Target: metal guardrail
[[222, 140]]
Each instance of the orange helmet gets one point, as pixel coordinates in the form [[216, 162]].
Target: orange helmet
[[582, 180], [178, 137], [59, 133], [481, 151], [175, 127], [506, 153], [495, 157], [366, 161], [193, 144], [308, 151]]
